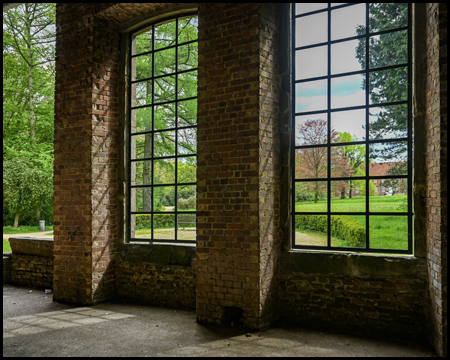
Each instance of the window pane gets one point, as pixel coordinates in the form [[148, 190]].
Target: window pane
[[388, 85], [164, 171], [311, 129], [343, 57], [311, 230], [141, 119], [165, 34], [385, 16], [347, 161], [311, 29], [164, 143], [349, 230], [187, 141], [188, 56], [311, 163], [348, 126], [388, 122], [187, 169], [165, 89], [165, 116], [187, 84], [391, 195], [165, 62], [141, 146], [310, 63], [142, 41], [388, 158], [347, 91], [311, 96], [388, 49], [187, 198], [311, 196], [348, 21], [141, 67], [141, 226], [388, 232], [348, 196], [187, 29], [164, 198], [164, 226], [303, 8], [187, 113], [141, 93], [141, 199], [186, 226]]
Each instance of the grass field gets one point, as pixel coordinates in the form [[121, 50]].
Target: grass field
[[23, 229], [385, 232]]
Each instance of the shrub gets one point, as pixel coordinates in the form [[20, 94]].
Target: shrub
[[342, 226], [160, 221], [189, 203]]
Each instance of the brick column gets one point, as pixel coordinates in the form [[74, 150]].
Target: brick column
[[85, 155], [238, 200]]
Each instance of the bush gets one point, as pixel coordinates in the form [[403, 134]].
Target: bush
[[342, 226], [160, 220], [189, 203]]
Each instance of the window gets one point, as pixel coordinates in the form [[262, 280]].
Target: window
[[162, 137], [352, 127]]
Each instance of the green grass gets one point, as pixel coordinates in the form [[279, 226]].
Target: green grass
[[6, 246], [385, 232], [23, 229]]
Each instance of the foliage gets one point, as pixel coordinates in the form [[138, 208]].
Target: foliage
[[24, 229]]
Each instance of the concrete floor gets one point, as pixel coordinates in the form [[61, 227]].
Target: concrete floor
[[34, 325]]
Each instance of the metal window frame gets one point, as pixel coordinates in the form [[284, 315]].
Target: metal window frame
[[176, 156], [367, 142]]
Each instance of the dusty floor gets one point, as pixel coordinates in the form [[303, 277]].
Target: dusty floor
[[35, 325]]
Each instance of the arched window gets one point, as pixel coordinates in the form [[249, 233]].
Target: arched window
[[352, 127], [162, 136]]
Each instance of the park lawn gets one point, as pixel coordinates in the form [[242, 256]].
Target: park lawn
[[24, 229], [6, 246], [386, 232]]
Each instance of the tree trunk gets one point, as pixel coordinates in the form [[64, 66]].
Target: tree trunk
[[37, 213], [350, 190], [16, 220]]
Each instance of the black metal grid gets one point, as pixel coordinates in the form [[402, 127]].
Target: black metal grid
[[176, 155], [367, 142]]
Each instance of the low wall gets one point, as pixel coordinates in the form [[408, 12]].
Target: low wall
[[381, 296], [31, 262], [161, 275]]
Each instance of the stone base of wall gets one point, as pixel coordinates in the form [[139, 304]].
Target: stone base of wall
[[32, 271], [6, 268]]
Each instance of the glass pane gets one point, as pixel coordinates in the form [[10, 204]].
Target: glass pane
[[141, 93], [142, 41], [388, 232], [349, 230], [311, 29], [348, 126], [388, 85], [385, 16], [164, 198], [311, 163], [388, 122], [188, 56], [311, 129], [165, 62], [165, 34], [187, 29], [165, 116], [343, 56], [165, 89], [388, 49], [164, 143], [141, 146], [310, 63], [141, 172], [347, 91], [389, 195], [187, 84], [142, 198], [141, 226], [311, 196], [348, 21], [348, 161], [141, 119], [303, 8], [186, 226], [348, 196], [187, 141], [164, 171], [187, 113], [141, 67], [311, 230], [187, 169], [388, 159], [164, 226], [311, 96], [187, 198]]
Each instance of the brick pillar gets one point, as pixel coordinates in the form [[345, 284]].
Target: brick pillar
[[436, 177], [85, 155], [238, 197]]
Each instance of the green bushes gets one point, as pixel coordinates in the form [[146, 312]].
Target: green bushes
[[342, 226], [162, 221]]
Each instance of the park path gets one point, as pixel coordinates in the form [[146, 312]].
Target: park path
[[40, 234]]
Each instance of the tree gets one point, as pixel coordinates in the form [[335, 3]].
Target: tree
[[389, 85]]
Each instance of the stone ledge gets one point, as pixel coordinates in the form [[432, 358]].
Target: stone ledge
[[354, 265], [31, 246]]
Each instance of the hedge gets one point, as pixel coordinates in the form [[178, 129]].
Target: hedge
[[162, 221], [342, 226]]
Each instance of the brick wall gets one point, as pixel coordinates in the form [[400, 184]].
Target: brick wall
[[436, 172]]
